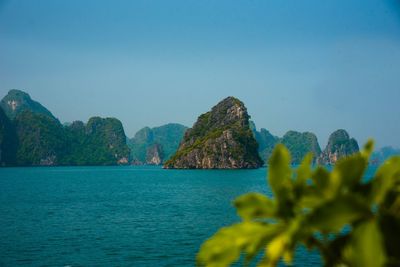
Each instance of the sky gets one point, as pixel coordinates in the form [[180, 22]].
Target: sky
[[297, 65]]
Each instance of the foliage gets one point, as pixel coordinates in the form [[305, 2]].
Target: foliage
[[351, 222], [99, 142], [299, 144], [41, 139], [8, 140], [16, 102]]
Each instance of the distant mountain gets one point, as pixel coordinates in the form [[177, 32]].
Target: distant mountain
[[8, 140], [266, 141], [300, 144], [40, 139], [339, 145], [156, 145], [383, 154], [16, 101], [220, 139], [101, 141]]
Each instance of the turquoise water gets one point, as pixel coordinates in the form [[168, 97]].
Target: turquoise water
[[118, 216]]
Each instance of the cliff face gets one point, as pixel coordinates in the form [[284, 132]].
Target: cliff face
[[300, 144], [163, 141], [154, 155], [339, 145], [220, 139]]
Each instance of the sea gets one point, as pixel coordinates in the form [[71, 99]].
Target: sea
[[119, 216]]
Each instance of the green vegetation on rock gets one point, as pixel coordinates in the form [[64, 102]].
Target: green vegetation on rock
[[41, 139], [352, 222], [300, 144], [16, 102], [8, 141], [158, 144], [220, 139], [266, 141], [101, 141], [35, 137], [339, 145]]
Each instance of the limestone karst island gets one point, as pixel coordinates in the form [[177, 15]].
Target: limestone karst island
[[220, 139], [223, 138]]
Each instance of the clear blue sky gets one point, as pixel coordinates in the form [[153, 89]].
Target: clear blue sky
[[303, 65]]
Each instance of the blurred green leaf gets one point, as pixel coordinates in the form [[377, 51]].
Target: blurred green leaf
[[254, 205], [366, 246], [390, 228], [385, 178], [279, 169], [301, 211], [304, 170], [350, 170], [335, 214], [322, 181], [225, 247], [368, 149]]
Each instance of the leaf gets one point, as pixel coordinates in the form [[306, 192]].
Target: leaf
[[276, 248], [279, 169], [304, 170], [368, 149], [350, 170], [254, 205], [322, 180], [385, 178], [279, 177], [366, 246], [284, 244], [226, 245], [334, 215]]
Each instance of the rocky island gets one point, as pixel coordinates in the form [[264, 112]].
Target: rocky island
[[339, 145], [153, 146], [30, 135], [220, 139]]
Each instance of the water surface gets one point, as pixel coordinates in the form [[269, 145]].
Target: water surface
[[118, 216]]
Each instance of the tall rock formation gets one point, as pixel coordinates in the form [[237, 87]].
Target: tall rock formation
[[101, 141], [339, 145], [220, 139], [266, 141], [154, 154], [300, 144], [158, 142], [17, 101], [41, 139]]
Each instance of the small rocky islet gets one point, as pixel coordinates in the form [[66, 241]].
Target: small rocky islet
[[223, 138]]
